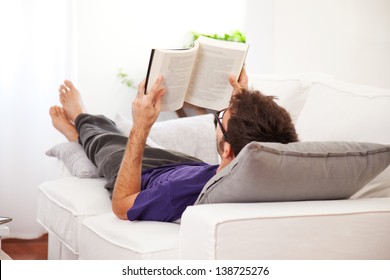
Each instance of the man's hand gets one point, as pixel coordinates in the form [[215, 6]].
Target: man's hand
[[242, 82], [146, 107]]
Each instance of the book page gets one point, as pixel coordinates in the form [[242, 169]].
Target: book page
[[216, 60], [176, 68]]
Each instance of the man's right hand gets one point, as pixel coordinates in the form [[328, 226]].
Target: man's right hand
[[146, 107]]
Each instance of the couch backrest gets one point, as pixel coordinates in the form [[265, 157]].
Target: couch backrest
[[324, 109], [333, 112], [290, 90]]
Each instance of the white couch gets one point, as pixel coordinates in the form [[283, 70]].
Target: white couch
[[77, 212]]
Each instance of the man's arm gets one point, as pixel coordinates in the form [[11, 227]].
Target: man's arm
[[146, 108]]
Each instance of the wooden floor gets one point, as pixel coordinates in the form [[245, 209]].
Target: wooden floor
[[20, 249]]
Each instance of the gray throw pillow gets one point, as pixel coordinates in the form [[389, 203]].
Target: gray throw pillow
[[75, 159], [270, 172]]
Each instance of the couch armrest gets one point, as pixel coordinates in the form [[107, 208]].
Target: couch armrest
[[340, 229]]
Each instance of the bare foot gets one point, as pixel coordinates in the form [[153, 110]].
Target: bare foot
[[62, 124], [71, 101]]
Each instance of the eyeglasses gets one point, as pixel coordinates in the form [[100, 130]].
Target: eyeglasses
[[218, 117]]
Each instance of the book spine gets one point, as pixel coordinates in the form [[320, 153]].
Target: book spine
[[149, 68]]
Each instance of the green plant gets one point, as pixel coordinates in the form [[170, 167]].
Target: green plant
[[235, 36], [125, 78]]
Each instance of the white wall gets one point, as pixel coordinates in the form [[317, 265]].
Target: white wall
[[347, 38], [259, 34], [115, 34]]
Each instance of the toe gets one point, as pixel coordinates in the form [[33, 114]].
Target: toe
[[64, 89], [69, 84], [54, 111], [62, 98], [63, 113]]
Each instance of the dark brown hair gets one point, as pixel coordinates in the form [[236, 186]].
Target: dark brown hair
[[256, 117]]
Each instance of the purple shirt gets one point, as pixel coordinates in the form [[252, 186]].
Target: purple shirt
[[167, 191]]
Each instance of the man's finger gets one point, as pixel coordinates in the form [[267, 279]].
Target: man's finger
[[243, 79], [141, 87], [157, 86], [234, 83], [243, 75], [157, 101]]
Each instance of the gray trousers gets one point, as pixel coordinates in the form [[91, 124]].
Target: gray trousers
[[105, 145]]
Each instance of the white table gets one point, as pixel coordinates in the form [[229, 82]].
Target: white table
[[4, 231]]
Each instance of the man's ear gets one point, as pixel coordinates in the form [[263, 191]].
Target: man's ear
[[227, 151], [227, 156]]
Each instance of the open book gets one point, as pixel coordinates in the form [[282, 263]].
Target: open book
[[198, 75]]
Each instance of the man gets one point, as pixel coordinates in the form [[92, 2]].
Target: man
[[155, 184]]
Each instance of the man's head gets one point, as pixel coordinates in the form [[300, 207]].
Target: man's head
[[252, 116]]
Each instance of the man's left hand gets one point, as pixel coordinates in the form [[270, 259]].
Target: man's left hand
[[242, 82]]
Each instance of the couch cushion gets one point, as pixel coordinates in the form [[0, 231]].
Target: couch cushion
[[341, 111], [107, 237], [64, 203], [75, 159], [378, 187], [270, 172], [194, 136]]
